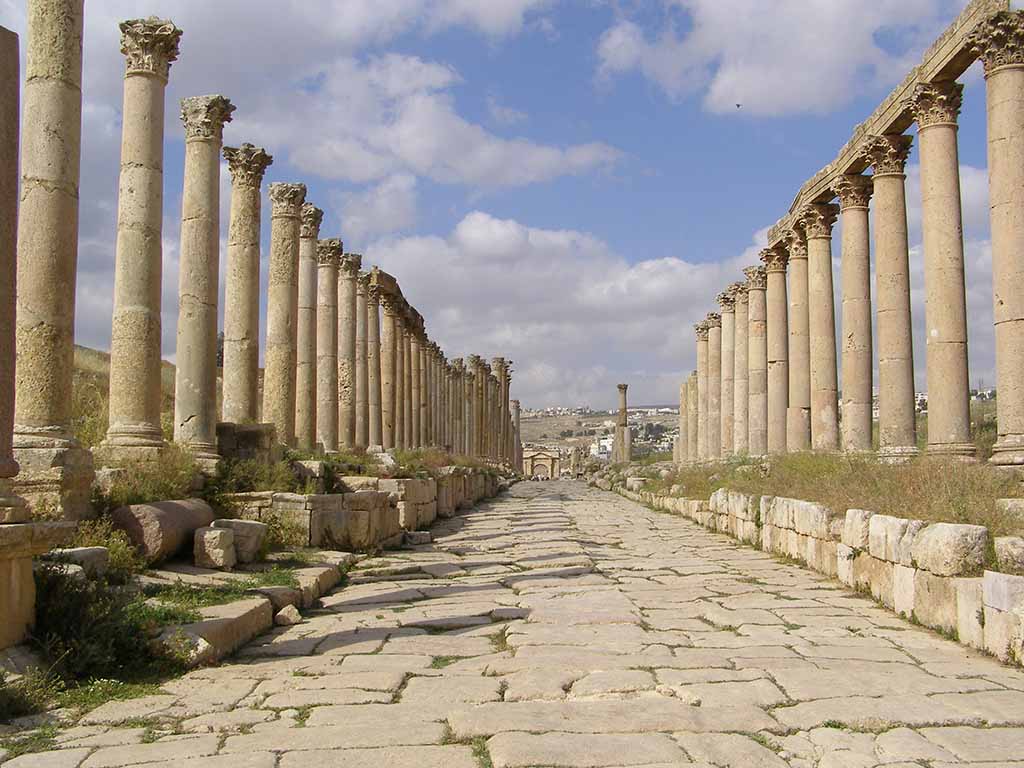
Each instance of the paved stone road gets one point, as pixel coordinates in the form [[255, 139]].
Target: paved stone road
[[564, 626]]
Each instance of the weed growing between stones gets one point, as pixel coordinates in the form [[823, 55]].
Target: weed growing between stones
[[190, 596], [440, 662], [39, 740]]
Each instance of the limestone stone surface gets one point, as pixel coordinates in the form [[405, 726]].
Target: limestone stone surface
[[161, 529], [249, 536], [947, 549], [214, 548]]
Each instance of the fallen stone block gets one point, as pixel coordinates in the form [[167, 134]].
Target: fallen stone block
[[215, 548], [162, 529], [288, 616], [223, 630], [94, 560], [249, 537]]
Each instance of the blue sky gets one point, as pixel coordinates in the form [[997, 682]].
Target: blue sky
[[567, 182]]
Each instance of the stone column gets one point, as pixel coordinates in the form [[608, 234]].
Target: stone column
[[247, 165], [473, 404], [776, 315], [935, 107], [373, 366], [681, 445], [757, 360], [426, 411], [416, 390], [195, 371], [999, 42], [407, 410], [501, 371], [12, 508], [388, 370], [896, 407], [350, 264], [691, 419], [798, 414], [623, 448], [714, 321], [517, 459], [728, 306], [362, 372], [149, 45], [701, 330], [282, 310], [817, 220], [741, 372], [400, 391], [306, 346], [328, 255], [854, 193], [55, 470]]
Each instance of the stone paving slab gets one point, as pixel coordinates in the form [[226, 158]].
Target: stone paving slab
[[566, 627]]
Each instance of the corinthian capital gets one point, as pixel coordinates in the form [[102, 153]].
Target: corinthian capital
[[328, 252], [854, 190], [714, 320], [757, 278], [247, 164], [936, 103], [796, 243], [739, 292], [999, 40], [726, 301], [286, 199], [204, 117], [350, 264], [817, 219], [701, 329], [775, 259], [149, 45], [887, 154], [311, 218]]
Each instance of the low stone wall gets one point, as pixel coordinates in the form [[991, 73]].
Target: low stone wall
[[372, 512], [936, 574]]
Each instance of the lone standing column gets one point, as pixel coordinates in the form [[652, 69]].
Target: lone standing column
[[896, 408], [350, 265], [818, 219], [714, 321], [691, 419], [624, 449], [935, 107], [51, 458], [681, 446], [149, 45], [362, 374], [247, 165], [388, 370], [798, 415], [12, 508], [195, 373], [373, 367], [701, 330], [776, 311], [741, 373], [757, 363], [999, 43], [328, 256], [282, 310], [306, 370], [727, 304], [854, 193]]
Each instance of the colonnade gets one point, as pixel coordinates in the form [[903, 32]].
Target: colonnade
[[781, 361], [348, 363]]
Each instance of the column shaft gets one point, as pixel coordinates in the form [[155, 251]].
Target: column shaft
[[702, 390], [306, 346], [347, 277], [777, 344], [798, 415], [691, 418], [407, 419], [388, 372], [741, 372], [373, 366], [757, 361], [817, 222], [416, 439], [329, 254], [681, 446], [714, 386], [362, 374], [727, 304]]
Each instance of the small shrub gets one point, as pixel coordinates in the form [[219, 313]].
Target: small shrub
[[283, 532], [125, 560], [173, 477], [246, 476], [28, 695]]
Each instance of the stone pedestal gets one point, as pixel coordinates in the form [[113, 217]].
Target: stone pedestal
[[282, 310], [817, 220], [350, 265], [701, 330], [714, 321], [149, 45], [247, 165], [727, 304], [776, 310], [896, 407], [1000, 45], [329, 254], [195, 379], [858, 362], [19, 543], [306, 333], [798, 413], [56, 472], [935, 107], [757, 362]]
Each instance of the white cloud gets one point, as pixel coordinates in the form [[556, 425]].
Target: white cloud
[[778, 58], [386, 208], [502, 114]]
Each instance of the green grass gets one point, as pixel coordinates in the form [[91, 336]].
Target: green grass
[[39, 740], [89, 695], [440, 662], [189, 596]]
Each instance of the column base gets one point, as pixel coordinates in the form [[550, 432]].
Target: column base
[[898, 454], [55, 481], [965, 452], [1008, 452], [13, 508]]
